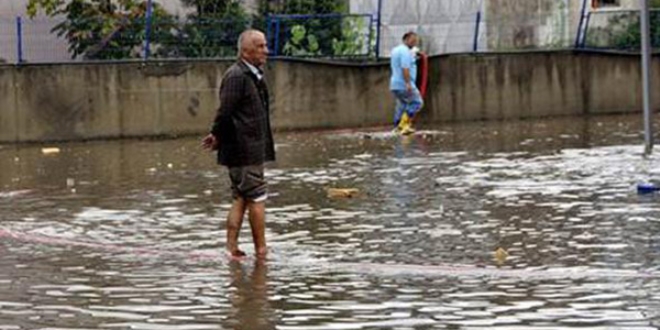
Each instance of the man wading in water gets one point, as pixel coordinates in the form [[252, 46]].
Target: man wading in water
[[242, 136], [402, 84]]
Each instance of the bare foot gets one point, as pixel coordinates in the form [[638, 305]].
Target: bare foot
[[236, 254], [261, 253]]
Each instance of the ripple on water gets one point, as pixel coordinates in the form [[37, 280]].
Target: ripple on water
[[414, 251]]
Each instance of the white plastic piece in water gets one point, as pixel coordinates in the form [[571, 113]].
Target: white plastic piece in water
[[50, 151], [70, 182], [208, 192], [363, 156], [169, 165], [16, 159]]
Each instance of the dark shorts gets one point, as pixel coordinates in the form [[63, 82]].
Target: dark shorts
[[248, 182]]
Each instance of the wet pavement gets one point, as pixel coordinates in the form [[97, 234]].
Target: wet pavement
[[129, 234]]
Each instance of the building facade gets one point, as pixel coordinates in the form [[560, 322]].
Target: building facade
[[455, 26]]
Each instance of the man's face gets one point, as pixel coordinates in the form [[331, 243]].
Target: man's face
[[256, 50], [411, 41]]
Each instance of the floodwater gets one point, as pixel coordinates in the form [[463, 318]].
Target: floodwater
[[129, 234]]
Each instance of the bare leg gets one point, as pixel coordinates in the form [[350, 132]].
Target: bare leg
[[234, 223], [257, 222]]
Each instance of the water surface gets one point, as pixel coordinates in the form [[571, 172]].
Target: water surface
[[129, 234]]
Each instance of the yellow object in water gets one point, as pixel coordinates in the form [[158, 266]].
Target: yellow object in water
[[501, 255], [407, 131], [342, 193], [405, 125], [50, 151], [404, 122]]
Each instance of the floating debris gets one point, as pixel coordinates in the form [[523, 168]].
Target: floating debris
[[342, 192], [501, 255], [50, 151]]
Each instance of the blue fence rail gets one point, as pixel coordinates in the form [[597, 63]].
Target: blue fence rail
[[19, 39], [329, 36], [147, 29], [320, 36], [618, 29], [344, 36]]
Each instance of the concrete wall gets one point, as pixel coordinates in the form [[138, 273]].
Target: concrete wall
[[322, 95], [83, 101], [89, 101], [539, 84]]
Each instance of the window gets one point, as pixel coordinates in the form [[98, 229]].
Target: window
[[605, 3]]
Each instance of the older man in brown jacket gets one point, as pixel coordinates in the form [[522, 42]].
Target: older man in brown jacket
[[242, 136]]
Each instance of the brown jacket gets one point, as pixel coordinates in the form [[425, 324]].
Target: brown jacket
[[242, 125]]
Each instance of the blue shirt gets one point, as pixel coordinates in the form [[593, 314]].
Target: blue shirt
[[402, 58]]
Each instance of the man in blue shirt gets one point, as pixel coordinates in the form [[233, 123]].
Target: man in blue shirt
[[402, 84]]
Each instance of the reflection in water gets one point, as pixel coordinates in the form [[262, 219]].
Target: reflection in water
[[128, 234], [249, 297]]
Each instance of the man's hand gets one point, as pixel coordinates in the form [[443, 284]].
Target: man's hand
[[210, 143], [409, 87]]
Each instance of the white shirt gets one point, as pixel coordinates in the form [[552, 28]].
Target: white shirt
[[254, 70]]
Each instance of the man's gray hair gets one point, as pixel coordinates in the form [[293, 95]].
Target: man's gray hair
[[240, 46]]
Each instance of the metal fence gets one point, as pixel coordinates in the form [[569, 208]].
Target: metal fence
[[618, 30], [325, 36], [47, 40], [341, 36], [328, 35]]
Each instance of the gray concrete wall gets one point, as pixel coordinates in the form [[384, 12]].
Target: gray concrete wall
[[322, 95], [91, 101], [538, 84], [8, 106]]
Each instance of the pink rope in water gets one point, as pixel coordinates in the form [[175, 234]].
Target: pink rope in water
[[383, 269], [50, 240]]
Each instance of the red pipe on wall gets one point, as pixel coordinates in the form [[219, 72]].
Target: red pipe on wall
[[424, 74]]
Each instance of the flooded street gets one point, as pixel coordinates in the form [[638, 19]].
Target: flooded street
[[130, 234]]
